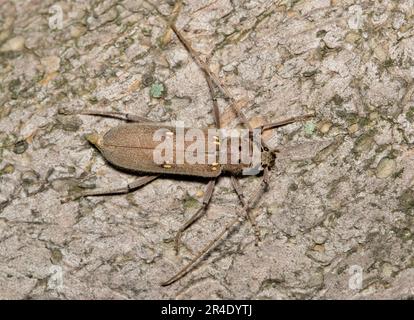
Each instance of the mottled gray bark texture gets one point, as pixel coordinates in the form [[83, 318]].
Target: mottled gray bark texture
[[340, 206]]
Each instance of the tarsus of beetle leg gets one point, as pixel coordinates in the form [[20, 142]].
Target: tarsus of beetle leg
[[193, 262]]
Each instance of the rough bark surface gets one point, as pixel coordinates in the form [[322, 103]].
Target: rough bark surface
[[340, 205]]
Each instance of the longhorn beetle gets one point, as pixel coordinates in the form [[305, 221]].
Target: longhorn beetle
[[130, 146]]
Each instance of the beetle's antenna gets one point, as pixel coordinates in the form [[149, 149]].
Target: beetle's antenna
[[278, 124], [282, 123], [211, 77], [247, 206]]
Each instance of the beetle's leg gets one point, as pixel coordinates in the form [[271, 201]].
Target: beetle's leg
[[285, 122], [109, 114], [216, 114], [262, 188], [228, 227], [193, 262], [197, 215], [141, 181], [252, 219]]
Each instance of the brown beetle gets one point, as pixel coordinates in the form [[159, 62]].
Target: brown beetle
[[131, 146]]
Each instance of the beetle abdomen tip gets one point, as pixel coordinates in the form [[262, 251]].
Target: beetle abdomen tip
[[93, 138]]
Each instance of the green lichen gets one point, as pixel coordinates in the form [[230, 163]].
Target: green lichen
[[406, 200], [6, 140], [388, 63], [56, 256], [157, 90], [363, 122], [410, 114], [321, 33], [93, 100], [146, 32], [7, 169], [15, 88], [364, 143], [190, 202], [309, 128]]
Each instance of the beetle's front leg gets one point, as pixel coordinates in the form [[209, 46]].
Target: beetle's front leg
[[129, 188], [109, 114]]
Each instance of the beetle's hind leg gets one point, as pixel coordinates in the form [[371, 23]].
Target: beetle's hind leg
[[141, 181], [108, 114], [250, 204], [197, 215]]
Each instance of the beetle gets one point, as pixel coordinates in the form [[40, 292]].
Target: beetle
[[131, 146]]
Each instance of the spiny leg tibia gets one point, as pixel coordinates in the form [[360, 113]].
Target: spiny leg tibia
[[197, 215]]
